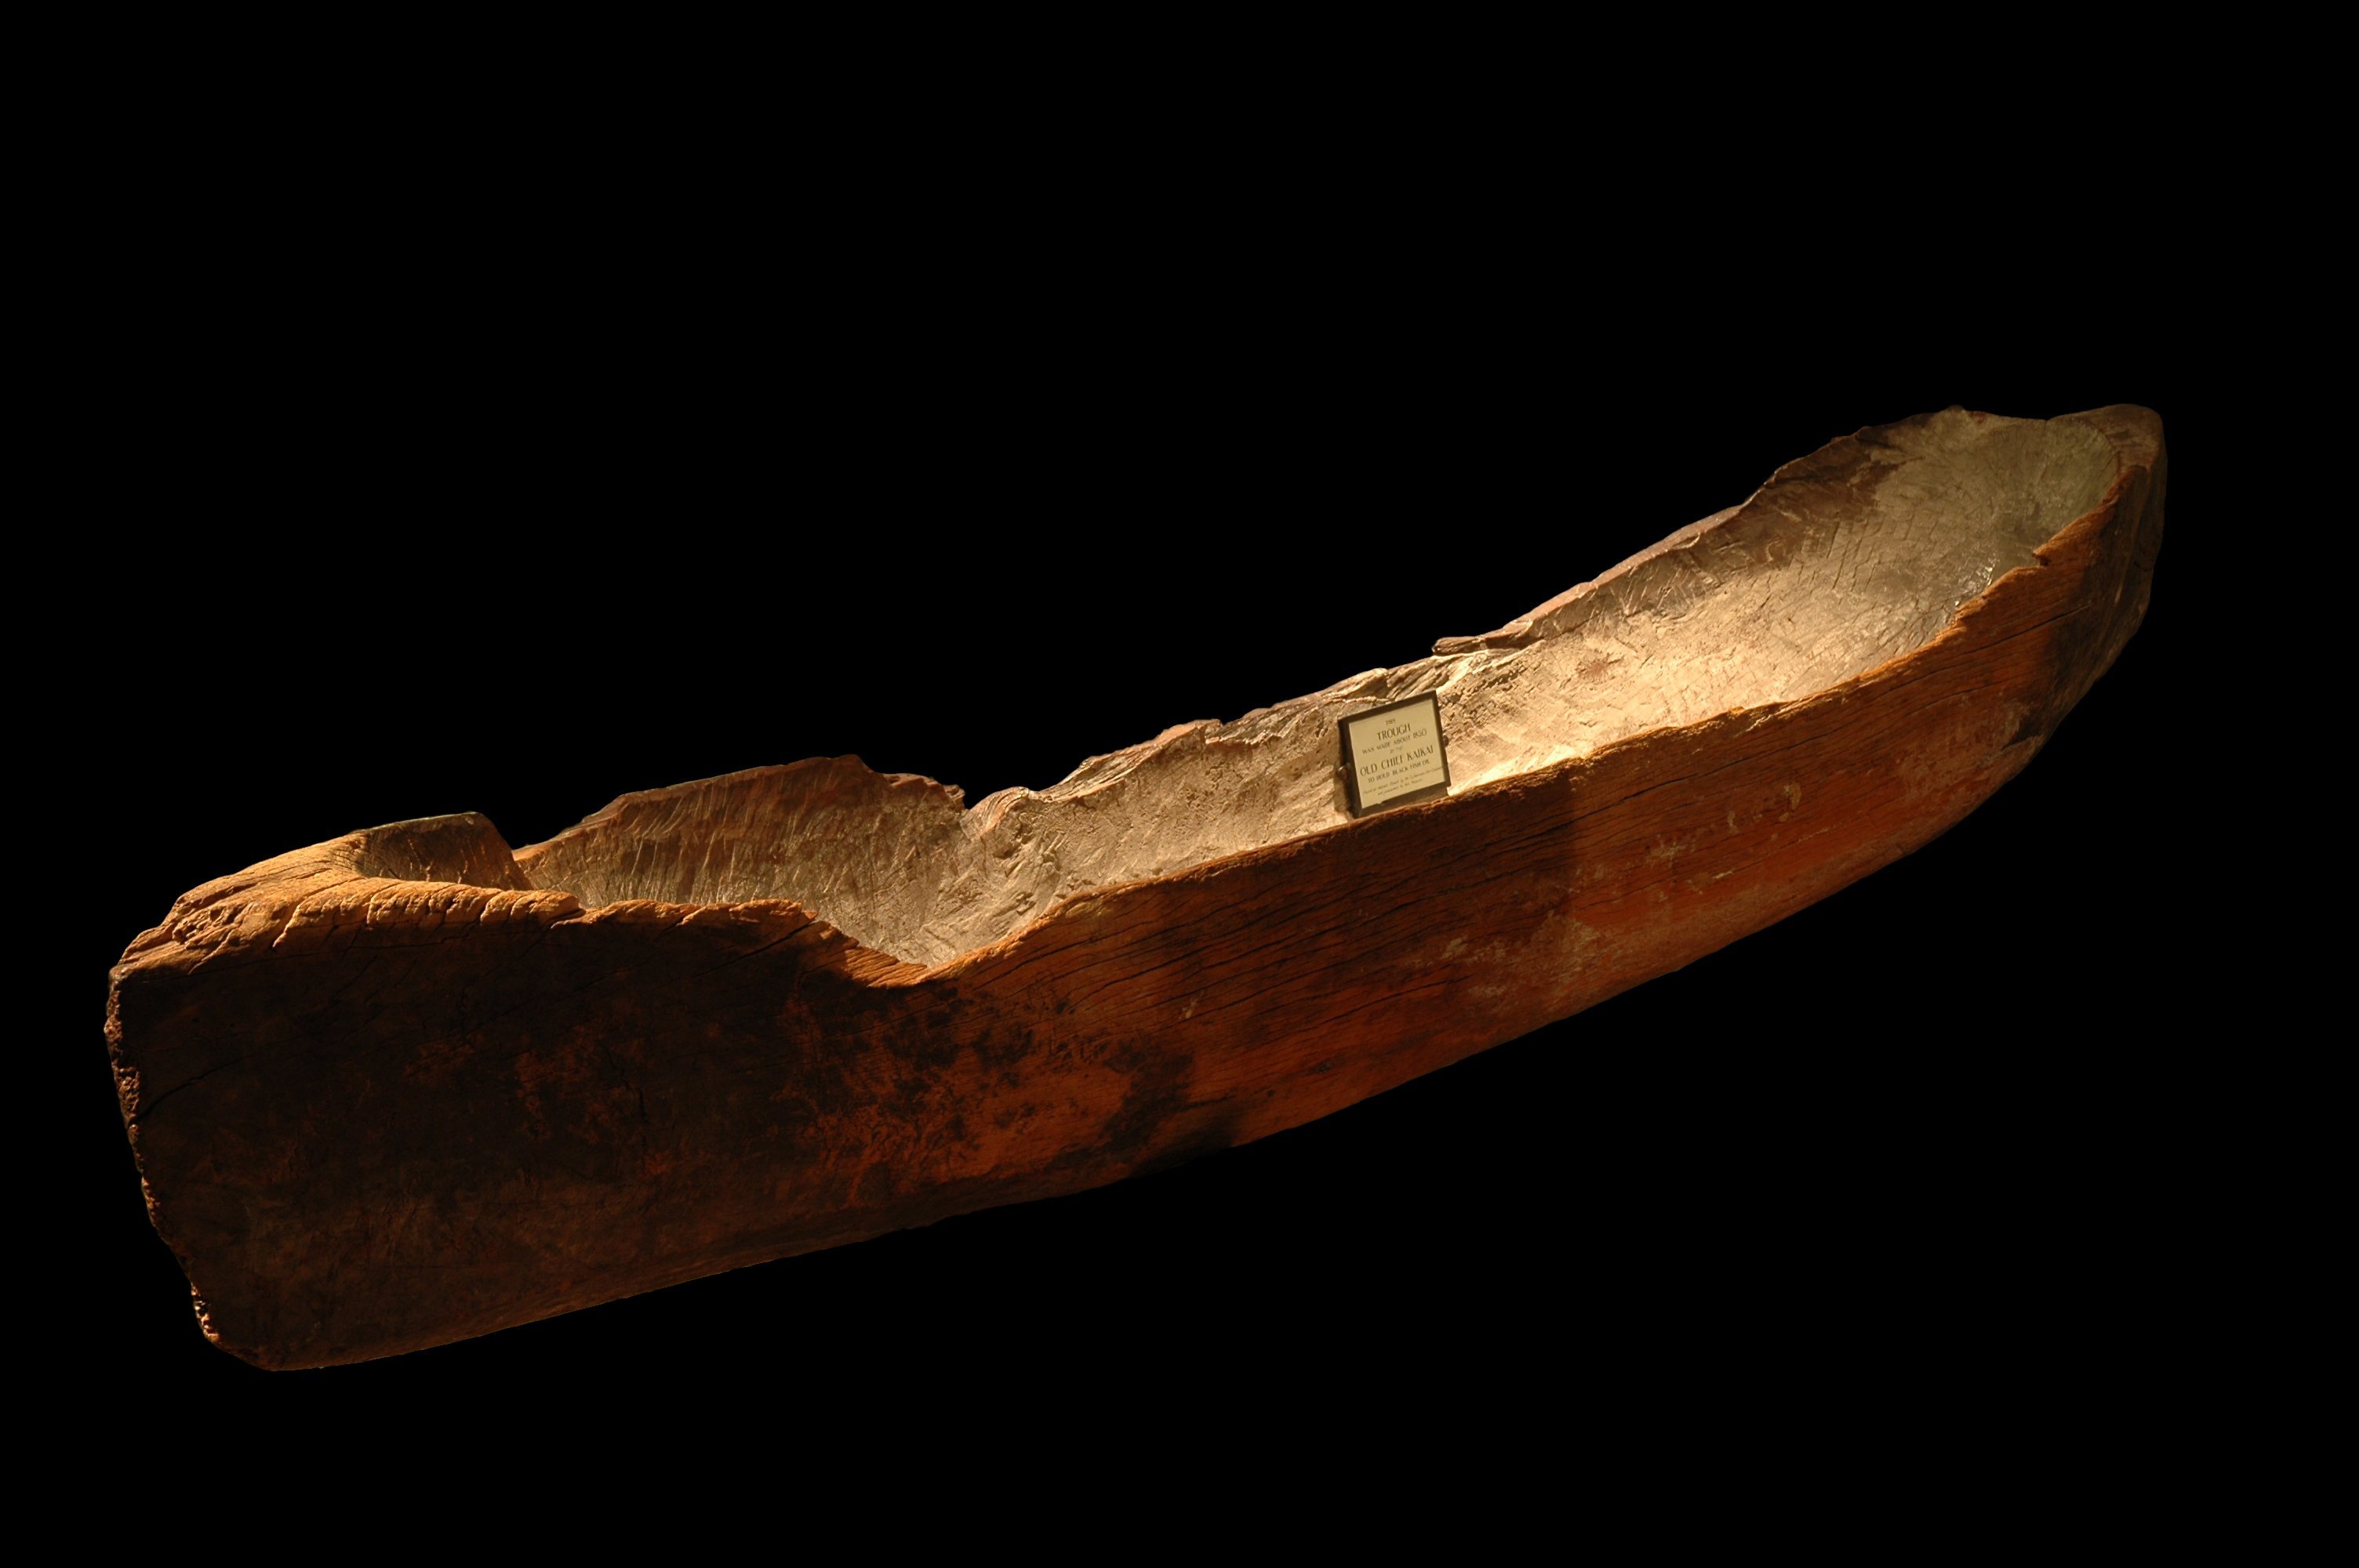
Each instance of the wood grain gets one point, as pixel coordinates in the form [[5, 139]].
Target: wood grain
[[407, 1087]]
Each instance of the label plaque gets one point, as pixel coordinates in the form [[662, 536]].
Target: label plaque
[[1394, 754]]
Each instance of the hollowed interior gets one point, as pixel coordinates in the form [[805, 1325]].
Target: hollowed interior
[[1846, 559]]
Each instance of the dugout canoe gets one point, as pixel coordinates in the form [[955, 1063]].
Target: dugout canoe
[[410, 1086]]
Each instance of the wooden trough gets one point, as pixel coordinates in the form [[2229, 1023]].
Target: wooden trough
[[410, 1086]]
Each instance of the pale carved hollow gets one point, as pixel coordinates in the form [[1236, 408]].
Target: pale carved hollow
[[1846, 569]]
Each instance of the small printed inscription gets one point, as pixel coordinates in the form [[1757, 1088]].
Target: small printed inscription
[[1394, 754]]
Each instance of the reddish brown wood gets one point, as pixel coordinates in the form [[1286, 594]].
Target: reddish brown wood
[[386, 1093]]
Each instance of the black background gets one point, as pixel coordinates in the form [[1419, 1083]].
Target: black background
[[518, 529]]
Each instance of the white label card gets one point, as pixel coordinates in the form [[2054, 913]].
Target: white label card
[[1394, 753]]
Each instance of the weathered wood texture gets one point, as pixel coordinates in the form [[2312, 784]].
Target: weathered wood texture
[[408, 1087]]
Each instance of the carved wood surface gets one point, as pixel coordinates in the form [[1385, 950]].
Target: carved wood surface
[[407, 1087]]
